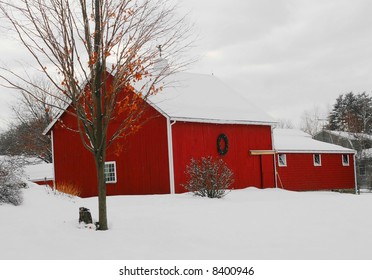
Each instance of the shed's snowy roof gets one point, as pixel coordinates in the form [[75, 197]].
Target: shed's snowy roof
[[296, 141], [39, 172], [205, 98]]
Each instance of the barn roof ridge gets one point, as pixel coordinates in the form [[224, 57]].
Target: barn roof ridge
[[205, 98]]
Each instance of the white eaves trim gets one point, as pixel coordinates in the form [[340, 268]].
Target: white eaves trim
[[58, 116], [221, 121], [315, 152], [62, 110]]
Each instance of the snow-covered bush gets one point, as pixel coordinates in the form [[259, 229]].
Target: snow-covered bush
[[208, 177], [10, 195], [11, 181]]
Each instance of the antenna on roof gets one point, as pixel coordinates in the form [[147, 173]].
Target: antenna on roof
[[160, 64], [159, 48]]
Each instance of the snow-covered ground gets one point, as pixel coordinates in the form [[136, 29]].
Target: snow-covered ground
[[246, 224]]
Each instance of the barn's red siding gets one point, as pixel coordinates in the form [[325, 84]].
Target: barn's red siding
[[195, 140], [300, 174], [142, 164]]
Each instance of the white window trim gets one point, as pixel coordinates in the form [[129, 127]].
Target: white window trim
[[348, 160], [320, 160], [284, 159], [116, 177]]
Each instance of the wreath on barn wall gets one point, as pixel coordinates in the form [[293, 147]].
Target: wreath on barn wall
[[222, 144]]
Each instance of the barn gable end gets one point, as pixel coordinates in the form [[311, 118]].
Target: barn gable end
[[141, 160]]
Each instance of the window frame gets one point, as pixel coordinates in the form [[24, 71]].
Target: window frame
[[113, 163], [320, 160], [343, 161], [284, 164]]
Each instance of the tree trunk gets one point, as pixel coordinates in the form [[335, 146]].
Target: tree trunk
[[102, 209], [100, 137]]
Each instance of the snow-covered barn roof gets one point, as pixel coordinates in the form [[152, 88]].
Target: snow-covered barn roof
[[39, 172], [205, 98], [296, 141], [200, 98]]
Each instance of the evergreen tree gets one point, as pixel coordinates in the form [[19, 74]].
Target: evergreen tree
[[352, 113]]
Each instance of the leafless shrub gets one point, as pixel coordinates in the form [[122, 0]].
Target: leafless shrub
[[11, 181], [208, 177]]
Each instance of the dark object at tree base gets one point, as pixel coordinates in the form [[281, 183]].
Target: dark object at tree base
[[85, 216]]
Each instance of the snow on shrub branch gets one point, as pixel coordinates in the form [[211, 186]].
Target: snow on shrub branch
[[11, 181], [208, 177]]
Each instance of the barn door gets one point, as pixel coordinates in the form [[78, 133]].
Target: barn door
[[266, 168], [261, 173]]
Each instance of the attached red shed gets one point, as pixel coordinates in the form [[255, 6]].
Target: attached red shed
[[303, 163], [41, 174], [185, 121]]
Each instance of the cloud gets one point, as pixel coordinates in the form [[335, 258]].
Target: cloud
[[285, 55], [288, 55]]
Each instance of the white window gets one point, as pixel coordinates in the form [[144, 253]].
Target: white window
[[317, 160], [345, 160], [282, 160], [110, 172]]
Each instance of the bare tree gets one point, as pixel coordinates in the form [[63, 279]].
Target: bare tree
[[312, 121], [100, 54], [26, 139], [284, 123], [32, 115]]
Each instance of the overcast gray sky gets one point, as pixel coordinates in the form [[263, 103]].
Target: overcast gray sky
[[286, 56]]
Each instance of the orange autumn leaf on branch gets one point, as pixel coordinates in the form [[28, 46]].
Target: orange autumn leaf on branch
[[92, 59], [138, 76]]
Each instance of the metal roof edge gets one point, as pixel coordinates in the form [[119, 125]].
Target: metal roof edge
[[58, 116], [221, 121], [316, 151], [153, 105]]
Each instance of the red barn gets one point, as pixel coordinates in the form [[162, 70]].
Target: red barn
[[304, 164], [192, 118]]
